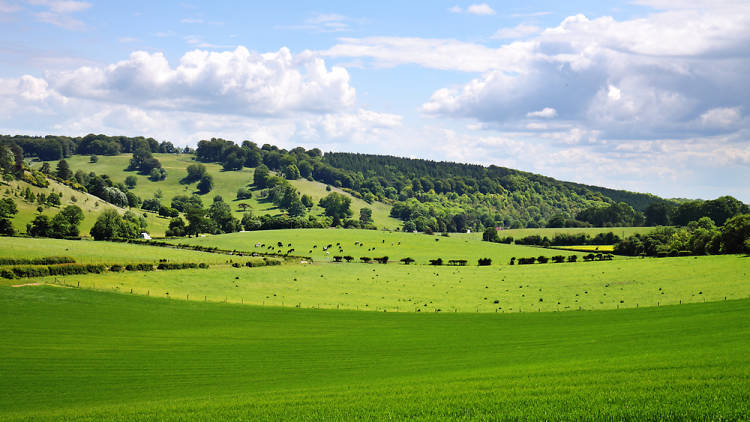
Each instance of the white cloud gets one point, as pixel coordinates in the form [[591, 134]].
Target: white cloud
[[721, 117], [59, 12], [324, 22], [480, 9], [191, 20], [545, 113], [519, 31], [444, 54], [235, 82]]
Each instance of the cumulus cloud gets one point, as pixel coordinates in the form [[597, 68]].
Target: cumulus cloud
[[236, 82], [674, 73]]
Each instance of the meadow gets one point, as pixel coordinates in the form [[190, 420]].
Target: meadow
[[226, 184], [83, 355], [396, 287], [93, 252], [369, 243]]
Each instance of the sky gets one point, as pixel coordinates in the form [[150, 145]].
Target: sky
[[644, 95]]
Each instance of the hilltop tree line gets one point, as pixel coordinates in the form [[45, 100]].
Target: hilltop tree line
[[53, 148]]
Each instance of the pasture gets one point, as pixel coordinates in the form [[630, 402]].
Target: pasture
[[93, 252], [394, 287], [83, 355], [369, 243]]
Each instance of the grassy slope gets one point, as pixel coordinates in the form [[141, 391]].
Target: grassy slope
[[91, 206], [83, 355], [395, 287], [226, 184], [395, 245]]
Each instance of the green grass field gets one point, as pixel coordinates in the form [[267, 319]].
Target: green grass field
[[79, 355], [375, 243], [93, 252], [226, 184], [398, 288]]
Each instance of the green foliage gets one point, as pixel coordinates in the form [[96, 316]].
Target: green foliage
[[618, 214], [244, 193], [63, 170], [205, 184], [336, 205], [291, 172], [735, 234], [221, 214], [194, 173], [490, 235], [110, 225], [365, 216], [93, 159], [260, 176]]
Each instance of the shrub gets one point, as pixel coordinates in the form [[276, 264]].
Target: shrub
[[483, 262], [438, 261], [337, 258], [6, 273], [348, 258], [557, 259], [542, 259], [202, 265], [365, 259], [382, 260], [407, 260], [573, 258], [116, 268]]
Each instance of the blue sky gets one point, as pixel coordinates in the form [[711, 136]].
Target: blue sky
[[646, 95]]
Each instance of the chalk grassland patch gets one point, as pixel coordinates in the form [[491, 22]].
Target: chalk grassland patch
[[82, 356], [396, 287], [226, 184]]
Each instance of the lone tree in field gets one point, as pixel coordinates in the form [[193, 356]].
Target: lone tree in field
[[365, 216], [206, 184], [336, 205], [63, 170]]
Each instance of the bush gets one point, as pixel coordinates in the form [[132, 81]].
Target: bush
[[338, 258], [116, 268], [382, 260], [542, 259], [438, 261], [365, 259], [202, 265], [348, 258], [407, 260], [573, 258], [47, 260], [557, 259], [483, 262], [6, 273]]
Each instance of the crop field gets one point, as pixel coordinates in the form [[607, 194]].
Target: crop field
[[369, 243], [92, 252], [619, 284], [82, 355], [226, 184]]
